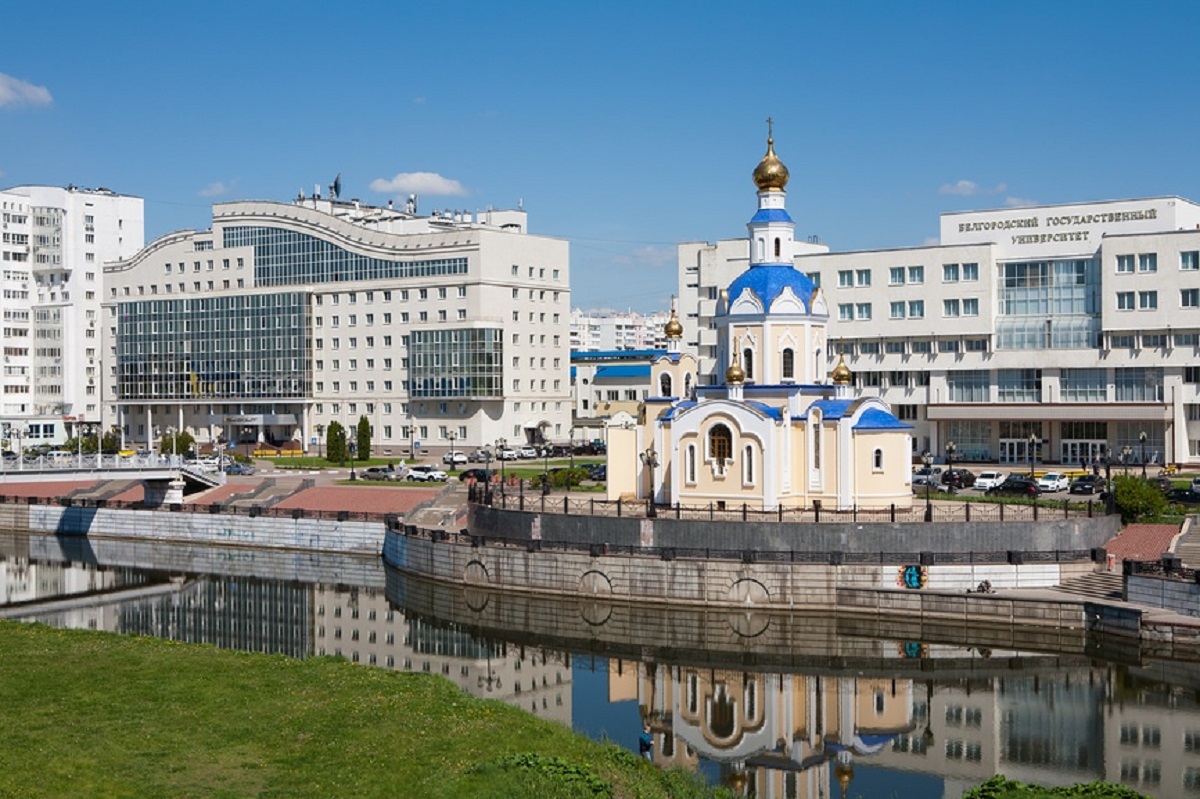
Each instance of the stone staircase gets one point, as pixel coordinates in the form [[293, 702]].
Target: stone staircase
[[1187, 548], [1097, 585]]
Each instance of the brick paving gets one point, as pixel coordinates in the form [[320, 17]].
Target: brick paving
[[1142, 541], [360, 499]]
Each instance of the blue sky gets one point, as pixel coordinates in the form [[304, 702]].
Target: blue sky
[[625, 127]]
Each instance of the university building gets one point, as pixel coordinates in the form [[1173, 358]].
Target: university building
[[1053, 333], [53, 243], [444, 329]]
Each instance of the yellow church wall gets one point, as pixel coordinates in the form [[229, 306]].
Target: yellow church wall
[[622, 454], [882, 705], [885, 486], [708, 485]]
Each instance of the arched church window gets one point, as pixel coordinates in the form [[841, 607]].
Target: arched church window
[[877, 460], [816, 437], [748, 363], [691, 463], [664, 383], [762, 250], [720, 443], [777, 249], [748, 464], [789, 364], [687, 385]]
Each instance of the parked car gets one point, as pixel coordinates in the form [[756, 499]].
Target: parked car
[[424, 473], [1184, 496], [506, 454], [480, 456], [1161, 482], [454, 456], [598, 472], [958, 478], [379, 473], [989, 479], [927, 474], [528, 453], [1054, 481], [479, 475], [1087, 484], [1196, 484], [1016, 486], [237, 468]]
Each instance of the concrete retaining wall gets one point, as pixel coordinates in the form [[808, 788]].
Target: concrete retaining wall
[[1181, 596], [1041, 536], [641, 578], [326, 535]]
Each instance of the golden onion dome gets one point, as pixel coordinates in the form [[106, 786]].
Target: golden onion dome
[[841, 373], [735, 373], [673, 328], [770, 174]]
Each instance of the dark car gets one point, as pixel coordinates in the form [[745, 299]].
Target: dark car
[[1184, 496], [480, 456], [1018, 487], [958, 478], [1087, 484], [598, 472], [239, 468], [1161, 482], [479, 475]]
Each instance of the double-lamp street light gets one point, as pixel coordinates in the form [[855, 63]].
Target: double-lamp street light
[[1142, 438], [950, 450], [928, 460], [1033, 442]]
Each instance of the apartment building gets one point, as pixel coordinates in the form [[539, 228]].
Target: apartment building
[[53, 242], [603, 331], [282, 318], [1058, 333]]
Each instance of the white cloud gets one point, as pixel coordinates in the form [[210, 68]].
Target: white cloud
[[16, 92], [424, 183], [217, 189], [931, 241], [418, 101], [969, 188], [1018, 202]]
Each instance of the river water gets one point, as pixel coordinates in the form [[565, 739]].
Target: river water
[[777, 705]]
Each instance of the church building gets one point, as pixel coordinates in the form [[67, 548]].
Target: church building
[[777, 431]]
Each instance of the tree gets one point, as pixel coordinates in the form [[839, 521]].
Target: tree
[[363, 438], [176, 443], [110, 442], [1137, 499], [335, 443]]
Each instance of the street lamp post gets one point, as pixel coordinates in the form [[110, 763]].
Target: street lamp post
[[928, 459], [320, 440], [950, 450], [353, 476], [21, 433], [1126, 452], [501, 445], [1142, 438], [572, 447], [1109, 499], [174, 448], [1033, 442], [453, 435], [545, 469], [650, 460]]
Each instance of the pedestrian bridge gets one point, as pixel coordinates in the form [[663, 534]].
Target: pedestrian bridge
[[152, 469]]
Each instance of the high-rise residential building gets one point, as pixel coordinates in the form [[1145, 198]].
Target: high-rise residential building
[[602, 331], [53, 242], [444, 329], [1060, 333]]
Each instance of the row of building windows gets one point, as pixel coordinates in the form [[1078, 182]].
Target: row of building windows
[[1148, 300], [1147, 262]]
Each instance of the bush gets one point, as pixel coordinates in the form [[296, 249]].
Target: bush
[[1137, 499]]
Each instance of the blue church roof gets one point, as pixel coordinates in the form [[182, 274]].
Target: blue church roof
[[770, 215], [832, 408], [622, 372], [876, 419], [768, 281], [767, 410]]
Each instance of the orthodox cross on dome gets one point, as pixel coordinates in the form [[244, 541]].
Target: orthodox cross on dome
[[770, 128]]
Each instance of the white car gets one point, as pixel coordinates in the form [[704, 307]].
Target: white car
[[454, 456], [506, 454], [989, 479], [527, 452], [424, 473], [1054, 481]]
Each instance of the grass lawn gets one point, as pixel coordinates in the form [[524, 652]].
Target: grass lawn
[[97, 715]]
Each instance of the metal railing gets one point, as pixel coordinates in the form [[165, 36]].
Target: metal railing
[[539, 501]]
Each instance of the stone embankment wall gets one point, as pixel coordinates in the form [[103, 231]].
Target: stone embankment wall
[[1180, 596], [322, 535], [755, 583]]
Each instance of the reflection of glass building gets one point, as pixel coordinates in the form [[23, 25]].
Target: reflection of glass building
[[283, 318]]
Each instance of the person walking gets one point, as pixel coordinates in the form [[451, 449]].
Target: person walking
[[646, 743]]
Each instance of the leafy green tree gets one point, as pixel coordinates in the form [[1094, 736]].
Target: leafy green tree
[[1137, 499], [110, 442], [362, 438], [177, 443], [335, 443]]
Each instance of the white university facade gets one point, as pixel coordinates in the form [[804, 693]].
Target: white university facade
[[445, 329], [53, 244], [1058, 332]]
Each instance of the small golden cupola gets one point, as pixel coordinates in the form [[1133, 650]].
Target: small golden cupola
[[673, 328], [735, 374], [841, 373], [770, 174]]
